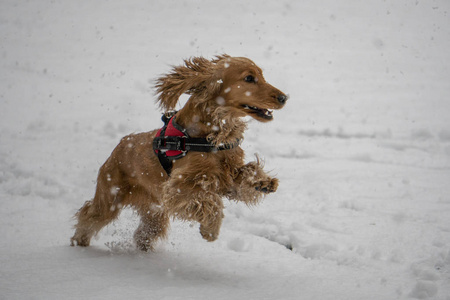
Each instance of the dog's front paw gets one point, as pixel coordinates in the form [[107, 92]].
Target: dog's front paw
[[267, 186], [209, 235]]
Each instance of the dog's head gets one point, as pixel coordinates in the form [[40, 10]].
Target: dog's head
[[234, 83], [245, 89]]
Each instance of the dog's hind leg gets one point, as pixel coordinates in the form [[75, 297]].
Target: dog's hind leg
[[153, 226], [91, 219], [100, 211], [154, 220]]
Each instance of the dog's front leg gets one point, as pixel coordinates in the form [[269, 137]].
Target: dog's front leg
[[252, 183], [210, 228], [194, 198]]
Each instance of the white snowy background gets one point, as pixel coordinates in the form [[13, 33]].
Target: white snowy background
[[362, 148]]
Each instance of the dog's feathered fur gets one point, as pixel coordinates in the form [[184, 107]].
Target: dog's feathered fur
[[222, 91]]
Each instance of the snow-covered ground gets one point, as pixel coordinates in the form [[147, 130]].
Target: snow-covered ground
[[362, 149]]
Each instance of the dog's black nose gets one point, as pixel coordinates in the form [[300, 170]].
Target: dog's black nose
[[282, 98]]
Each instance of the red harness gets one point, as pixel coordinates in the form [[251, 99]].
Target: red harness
[[173, 148], [173, 142]]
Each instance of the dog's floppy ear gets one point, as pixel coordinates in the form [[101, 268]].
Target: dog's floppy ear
[[197, 76]]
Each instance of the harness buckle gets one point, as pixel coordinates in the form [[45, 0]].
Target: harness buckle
[[181, 144]]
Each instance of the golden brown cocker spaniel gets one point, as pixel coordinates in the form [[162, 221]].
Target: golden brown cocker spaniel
[[140, 172]]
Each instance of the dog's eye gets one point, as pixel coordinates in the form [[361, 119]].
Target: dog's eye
[[250, 79]]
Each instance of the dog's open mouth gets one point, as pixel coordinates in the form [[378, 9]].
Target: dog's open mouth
[[261, 112]]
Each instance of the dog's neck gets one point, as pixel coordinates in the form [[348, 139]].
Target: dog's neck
[[219, 124]]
